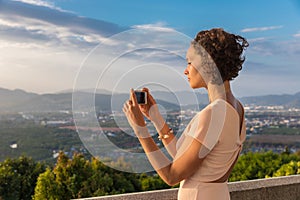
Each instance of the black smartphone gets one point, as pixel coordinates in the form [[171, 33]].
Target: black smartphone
[[141, 96]]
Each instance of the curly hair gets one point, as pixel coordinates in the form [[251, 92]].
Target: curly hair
[[225, 49]]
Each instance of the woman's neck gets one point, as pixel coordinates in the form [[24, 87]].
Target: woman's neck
[[222, 91]]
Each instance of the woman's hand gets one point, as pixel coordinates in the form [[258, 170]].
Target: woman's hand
[[149, 110], [134, 114]]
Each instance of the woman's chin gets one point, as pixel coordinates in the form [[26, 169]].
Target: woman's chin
[[196, 86], [193, 86]]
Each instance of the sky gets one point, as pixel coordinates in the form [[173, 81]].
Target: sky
[[49, 46]]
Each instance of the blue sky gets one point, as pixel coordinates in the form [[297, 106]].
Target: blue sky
[[192, 16], [43, 43]]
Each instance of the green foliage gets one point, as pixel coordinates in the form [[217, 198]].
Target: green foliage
[[290, 168], [18, 178], [78, 178], [260, 165], [46, 186], [153, 182]]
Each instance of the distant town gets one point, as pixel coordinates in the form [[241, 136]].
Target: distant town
[[274, 128]]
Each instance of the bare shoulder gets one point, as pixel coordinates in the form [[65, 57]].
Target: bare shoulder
[[238, 106]]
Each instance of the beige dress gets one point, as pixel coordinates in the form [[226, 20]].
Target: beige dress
[[221, 134]]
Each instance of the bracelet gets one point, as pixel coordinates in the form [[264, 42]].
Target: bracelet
[[165, 136]]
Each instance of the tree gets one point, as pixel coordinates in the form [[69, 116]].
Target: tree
[[153, 182], [66, 180], [78, 178], [46, 187], [111, 181], [260, 165], [18, 177], [290, 168]]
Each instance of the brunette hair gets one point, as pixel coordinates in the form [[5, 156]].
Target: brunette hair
[[225, 49]]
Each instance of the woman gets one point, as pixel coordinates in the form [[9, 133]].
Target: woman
[[207, 150]]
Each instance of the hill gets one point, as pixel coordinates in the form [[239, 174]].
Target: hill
[[22, 101], [287, 100]]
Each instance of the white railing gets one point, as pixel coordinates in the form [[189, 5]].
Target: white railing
[[281, 188]]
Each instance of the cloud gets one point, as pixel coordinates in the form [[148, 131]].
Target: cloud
[[252, 40], [297, 35], [271, 76], [41, 3], [35, 21], [160, 27], [255, 29], [38, 3], [269, 60], [42, 47], [271, 46]]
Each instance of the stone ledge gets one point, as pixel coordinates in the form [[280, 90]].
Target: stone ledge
[[287, 188], [167, 194]]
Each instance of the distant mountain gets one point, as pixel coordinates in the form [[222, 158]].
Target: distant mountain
[[13, 98], [20, 100], [182, 97], [286, 100]]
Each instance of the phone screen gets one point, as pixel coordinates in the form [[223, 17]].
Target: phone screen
[[141, 97]]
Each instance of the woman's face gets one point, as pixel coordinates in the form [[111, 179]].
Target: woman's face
[[194, 77]]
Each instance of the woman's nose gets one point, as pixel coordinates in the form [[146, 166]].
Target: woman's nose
[[186, 72]]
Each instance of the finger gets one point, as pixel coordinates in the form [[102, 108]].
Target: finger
[[130, 102], [145, 89], [129, 105], [125, 110], [133, 97], [125, 107], [148, 93], [151, 100], [143, 108]]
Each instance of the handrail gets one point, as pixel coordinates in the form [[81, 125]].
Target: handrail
[[287, 188]]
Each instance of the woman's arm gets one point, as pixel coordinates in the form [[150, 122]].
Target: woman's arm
[[183, 166], [167, 136], [151, 111]]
